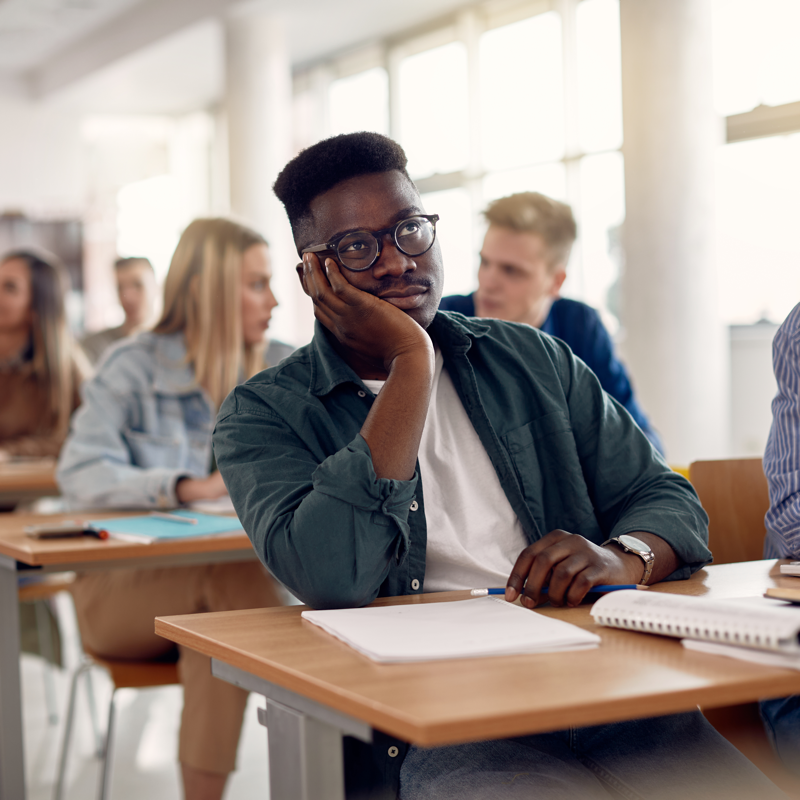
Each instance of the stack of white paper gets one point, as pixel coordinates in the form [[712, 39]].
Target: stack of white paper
[[486, 626]]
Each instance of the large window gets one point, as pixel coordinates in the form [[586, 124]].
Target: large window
[[756, 54], [757, 85], [522, 93], [498, 99]]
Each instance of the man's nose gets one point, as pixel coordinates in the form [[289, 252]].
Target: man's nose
[[392, 261]]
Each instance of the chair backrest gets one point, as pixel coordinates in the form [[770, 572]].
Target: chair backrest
[[735, 496]]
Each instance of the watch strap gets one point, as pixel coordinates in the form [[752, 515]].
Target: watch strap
[[649, 558]]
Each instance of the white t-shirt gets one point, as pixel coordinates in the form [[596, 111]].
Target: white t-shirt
[[474, 536]]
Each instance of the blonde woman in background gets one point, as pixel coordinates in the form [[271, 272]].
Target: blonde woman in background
[[40, 367], [142, 439]]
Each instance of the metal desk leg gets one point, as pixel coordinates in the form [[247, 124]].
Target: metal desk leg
[[12, 760], [305, 738], [305, 755]]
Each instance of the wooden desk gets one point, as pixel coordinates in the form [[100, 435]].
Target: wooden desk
[[313, 681], [20, 554], [26, 480]]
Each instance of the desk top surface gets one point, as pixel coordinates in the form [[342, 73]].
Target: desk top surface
[[86, 549], [38, 475], [433, 703]]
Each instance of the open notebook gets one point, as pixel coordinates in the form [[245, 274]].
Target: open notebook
[[485, 626], [151, 528]]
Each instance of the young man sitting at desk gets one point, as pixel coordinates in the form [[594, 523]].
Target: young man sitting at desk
[[406, 450], [523, 266]]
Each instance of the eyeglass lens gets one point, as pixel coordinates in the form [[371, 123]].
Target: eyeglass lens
[[359, 250]]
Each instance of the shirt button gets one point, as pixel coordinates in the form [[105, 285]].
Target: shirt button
[[414, 505], [393, 751], [361, 394], [415, 584]]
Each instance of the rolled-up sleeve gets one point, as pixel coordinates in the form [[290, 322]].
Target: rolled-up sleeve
[[317, 514]]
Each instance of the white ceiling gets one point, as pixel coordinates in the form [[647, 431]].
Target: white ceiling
[[167, 56], [33, 30]]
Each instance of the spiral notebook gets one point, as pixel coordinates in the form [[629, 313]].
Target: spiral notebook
[[755, 623], [485, 626]]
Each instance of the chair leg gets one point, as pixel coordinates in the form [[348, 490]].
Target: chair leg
[[43, 630], [98, 736], [58, 792], [105, 770]]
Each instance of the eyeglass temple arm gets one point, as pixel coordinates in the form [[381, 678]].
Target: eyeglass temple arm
[[317, 248]]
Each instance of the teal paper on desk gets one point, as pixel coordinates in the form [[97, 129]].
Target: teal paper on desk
[[146, 528]]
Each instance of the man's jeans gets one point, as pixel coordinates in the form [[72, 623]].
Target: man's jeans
[[782, 722], [666, 758]]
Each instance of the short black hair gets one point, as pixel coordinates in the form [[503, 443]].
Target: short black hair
[[321, 166]]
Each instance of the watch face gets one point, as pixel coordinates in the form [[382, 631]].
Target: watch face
[[637, 545]]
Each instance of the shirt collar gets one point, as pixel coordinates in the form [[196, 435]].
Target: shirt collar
[[453, 332]]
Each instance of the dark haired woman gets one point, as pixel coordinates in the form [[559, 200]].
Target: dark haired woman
[[41, 367]]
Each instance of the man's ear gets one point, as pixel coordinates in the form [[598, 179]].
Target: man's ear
[[559, 276]]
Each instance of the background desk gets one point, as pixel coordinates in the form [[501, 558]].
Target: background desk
[[20, 554], [26, 480], [325, 683]]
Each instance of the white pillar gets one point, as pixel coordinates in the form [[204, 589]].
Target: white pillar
[[675, 344], [258, 105]]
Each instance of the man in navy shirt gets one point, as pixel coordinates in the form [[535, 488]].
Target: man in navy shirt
[[523, 266]]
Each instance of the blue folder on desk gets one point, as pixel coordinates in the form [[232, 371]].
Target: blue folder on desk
[[147, 528]]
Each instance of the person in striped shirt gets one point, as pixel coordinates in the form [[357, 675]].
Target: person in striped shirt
[[782, 467]]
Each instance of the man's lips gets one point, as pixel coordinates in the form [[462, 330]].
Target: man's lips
[[410, 297]]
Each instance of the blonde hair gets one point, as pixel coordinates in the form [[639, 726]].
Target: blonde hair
[[57, 362], [202, 298], [531, 212]]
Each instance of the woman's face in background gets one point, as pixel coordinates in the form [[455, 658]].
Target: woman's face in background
[[257, 298], [15, 296]]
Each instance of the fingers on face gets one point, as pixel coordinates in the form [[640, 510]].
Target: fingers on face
[[315, 280], [324, 282]]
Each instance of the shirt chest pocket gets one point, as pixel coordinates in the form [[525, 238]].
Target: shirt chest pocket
[[549, 472]]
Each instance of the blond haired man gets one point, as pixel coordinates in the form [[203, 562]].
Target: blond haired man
[[522, 268]]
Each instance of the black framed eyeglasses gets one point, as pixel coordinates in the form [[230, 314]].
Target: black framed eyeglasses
[[359, 250]]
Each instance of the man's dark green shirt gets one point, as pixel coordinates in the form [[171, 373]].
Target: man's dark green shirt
[[568, 456]]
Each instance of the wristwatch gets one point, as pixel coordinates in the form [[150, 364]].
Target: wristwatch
[[630, 544]]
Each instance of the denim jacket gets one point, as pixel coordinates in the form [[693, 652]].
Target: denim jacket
[[300, 474], [143, 424]]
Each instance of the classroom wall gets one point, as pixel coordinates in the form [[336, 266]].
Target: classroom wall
[[42, 161], [752, 387]]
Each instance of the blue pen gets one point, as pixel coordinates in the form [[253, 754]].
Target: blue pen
[[594, 590]]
